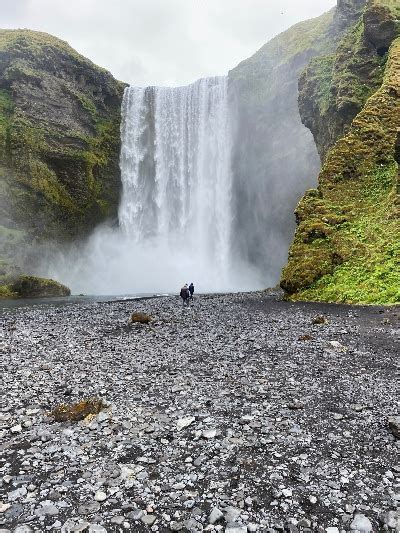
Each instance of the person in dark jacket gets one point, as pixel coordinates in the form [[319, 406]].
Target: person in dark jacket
[[191, 290], [185, 294]]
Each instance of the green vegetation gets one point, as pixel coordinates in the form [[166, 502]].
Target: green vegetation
[[32, 287], [6, 110], [334, 89], [59, 140], [347, 245], [37, 44]]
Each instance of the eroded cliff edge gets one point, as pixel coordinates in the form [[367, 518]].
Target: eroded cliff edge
[[59, 142], [274, 155], [347, 246]]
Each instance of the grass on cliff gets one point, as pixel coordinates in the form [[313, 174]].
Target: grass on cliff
[[61, 174], [347, 245], [369, 243], [37, 43], [6, 109]]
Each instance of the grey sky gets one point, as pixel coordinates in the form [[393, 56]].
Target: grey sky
[[162, 42]]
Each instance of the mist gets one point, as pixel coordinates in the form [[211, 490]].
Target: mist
[[110, 263]]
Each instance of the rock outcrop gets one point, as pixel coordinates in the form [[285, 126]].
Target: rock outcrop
[[346, 247], [59, 140], [275, 157], [33, 287]]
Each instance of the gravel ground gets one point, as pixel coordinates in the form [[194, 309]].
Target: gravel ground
[[236, 414]]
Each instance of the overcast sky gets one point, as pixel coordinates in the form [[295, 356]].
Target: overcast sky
[[162, 42]]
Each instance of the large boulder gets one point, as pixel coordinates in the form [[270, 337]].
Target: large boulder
[[33, 287]]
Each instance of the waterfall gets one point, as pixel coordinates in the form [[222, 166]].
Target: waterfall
[[175, 214], [176, 177]]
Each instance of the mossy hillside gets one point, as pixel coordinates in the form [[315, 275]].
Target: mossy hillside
[[273, 151], [60, 164], [334, 89], [347, 246]]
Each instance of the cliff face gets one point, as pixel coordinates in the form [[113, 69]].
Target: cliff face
[[274, 155], [347, 246], [59, 140]]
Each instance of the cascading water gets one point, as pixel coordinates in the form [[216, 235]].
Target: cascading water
[[175, 215], [176, 176]]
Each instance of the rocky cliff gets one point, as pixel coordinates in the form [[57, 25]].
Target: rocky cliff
[[59, 141], [346, 247], [275, 157]]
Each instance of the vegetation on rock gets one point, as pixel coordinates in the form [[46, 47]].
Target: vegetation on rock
[[77, 411], [140, 318], [347, 246], [32, 287], [59, 140], [272, 147]]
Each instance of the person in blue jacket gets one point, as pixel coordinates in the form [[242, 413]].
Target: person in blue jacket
[[191, 290]]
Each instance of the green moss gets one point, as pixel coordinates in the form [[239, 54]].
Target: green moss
[[358, 260], [44, 181], [6, 292], [59, 171], [86, 103], [33, 287], [288, 50], [393, 5], [77, 411], [334, 89], [6, 110], [37, 44]]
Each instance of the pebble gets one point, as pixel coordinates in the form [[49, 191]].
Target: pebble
[[148, 519], [206, 412], [361, 524], [215, 515], [100, 496]]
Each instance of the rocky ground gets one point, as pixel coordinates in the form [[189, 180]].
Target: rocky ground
[[237, 414]]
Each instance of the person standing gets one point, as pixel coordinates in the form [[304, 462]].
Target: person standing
[[191, 290], [185, 294]]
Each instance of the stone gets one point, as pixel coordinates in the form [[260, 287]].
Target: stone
[[183, 423], [81, 526], [4, 507], [179, 486], [391, 519], [361, 524], [232, 514], [17, 494], [24, 528], [148, 519], [96, 528], [234, 527], [394, 426], [119, 520], [209, 433], [176, 526], [89, 508], [215, 515], [47, 509], [100, 496], [332, 530]]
